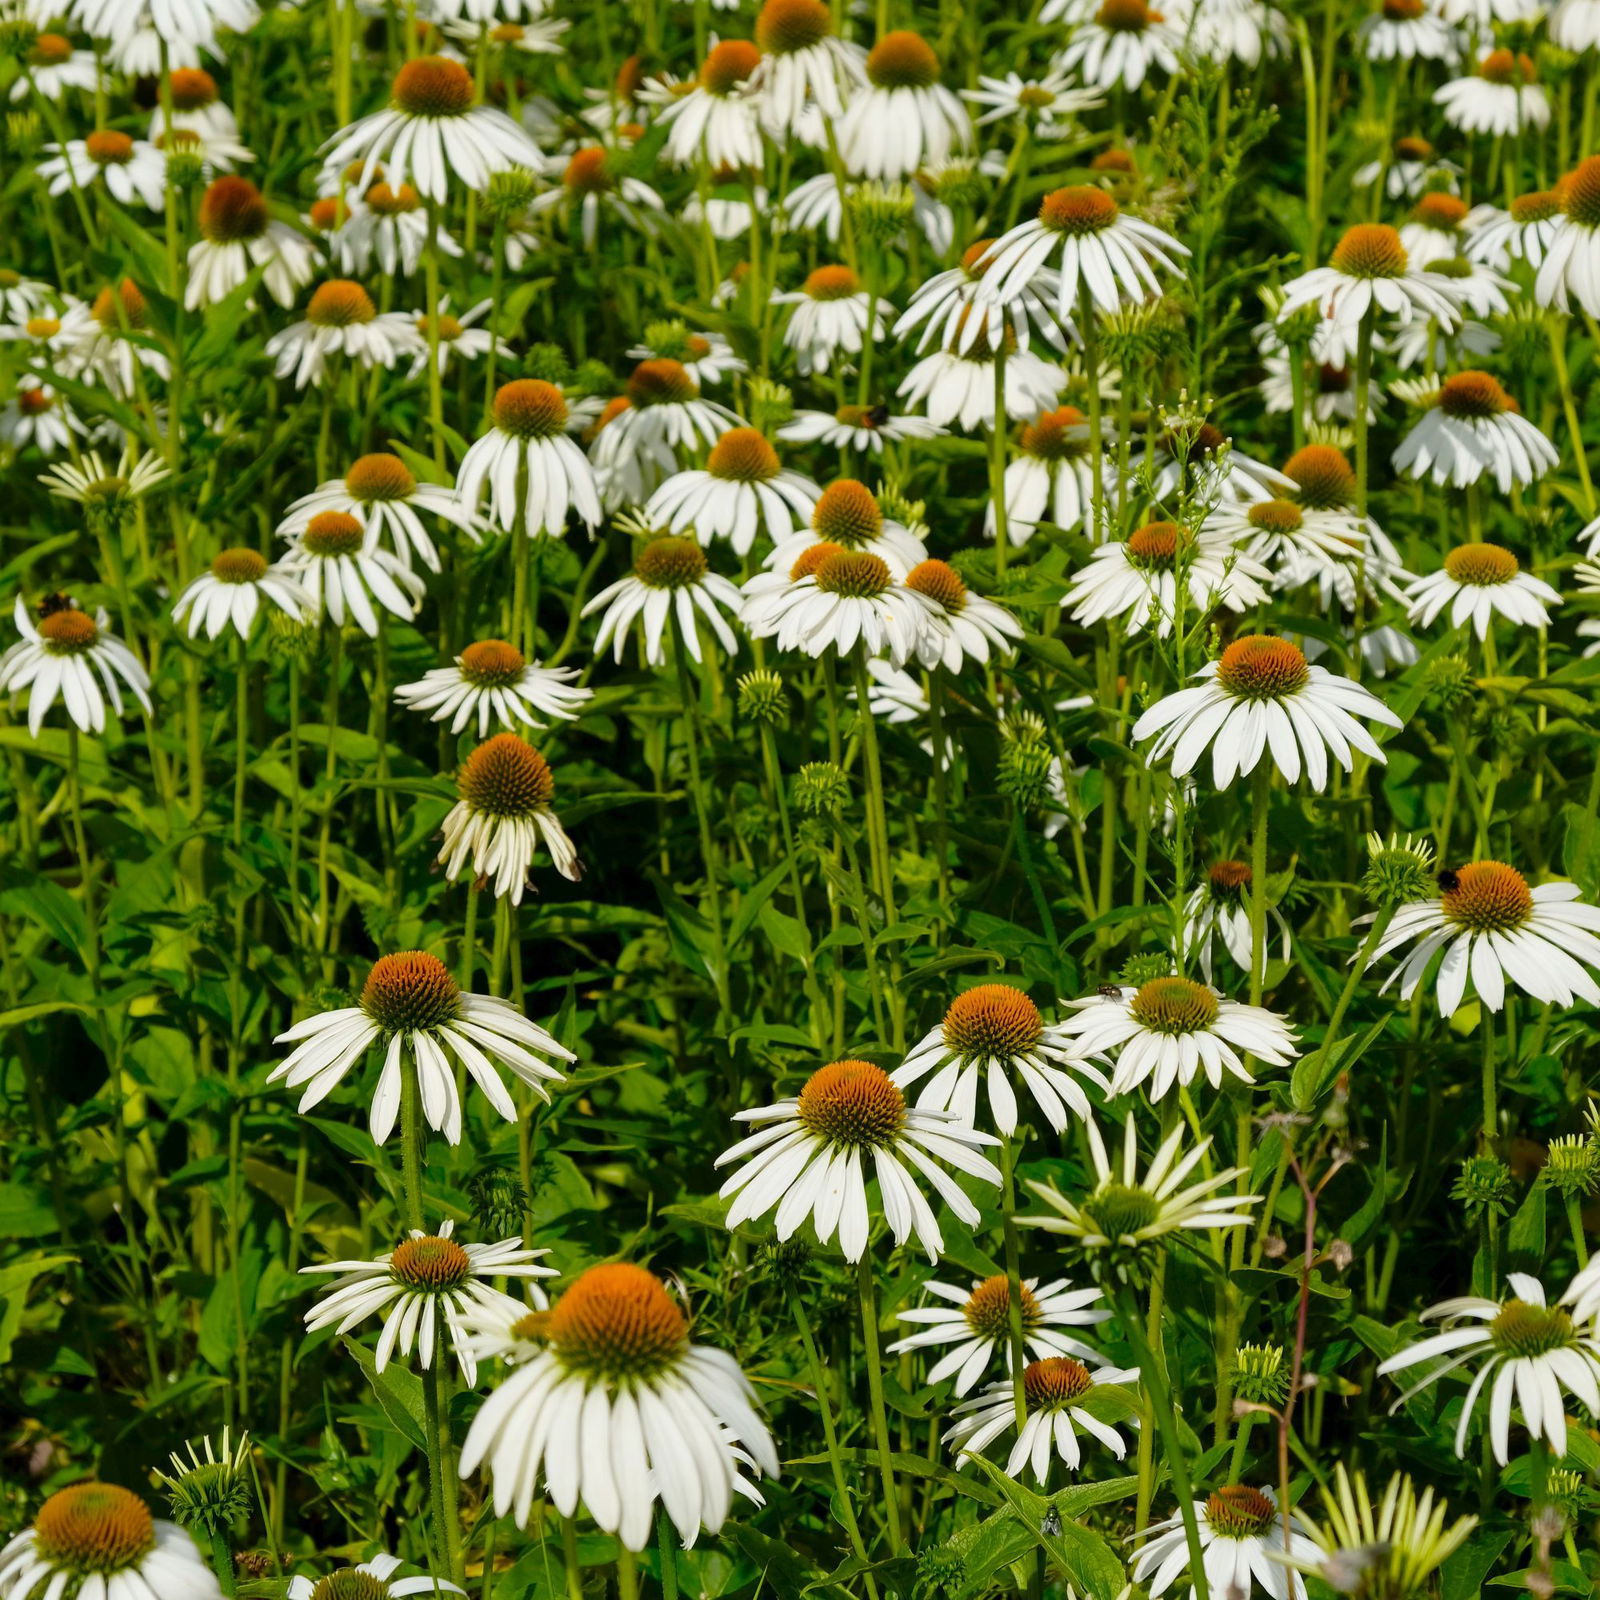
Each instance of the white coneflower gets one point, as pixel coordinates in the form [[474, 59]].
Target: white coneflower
[[976, 1324], [431, 131], [960, 389], [386, 227], [1287, 538], [706, 357], [130, 169], [69, 654], [1219, 909], [863, 428], [1370, 270], [22, 299], [374, 1577], [1502, 98], [1049, 105], [845, 598], [1052, 476], [1261, 699], [1435, 230], [665, 410], [1166, 1032], [338, 562], [103, 341], [1054, 1391], [1136, 581], [412, 1005], [231, 591], [1574, 25], [1479, 582], [491, 681], [1241, 1531], [1572, 262], [955, 310], [1105, 255], [427, 1279], [805, 68], [202, 126], [1413, 167], [1238, 30], [589, 185], [237, 235], [902, 118], [1471, 428], [88, 481], [183, 21], [382, 492], [98, 1540], [743, 490], [1121, 43], [814, 1154], [717, 121], [456, 338], [1125, 1211], [1531, 1349], [991, 1035], [35, 414], [1405, 30], [848, 514], [614, 1408], [532, 470], [1490, 925], [960, 626], [832, 315], [1523, 232], [670, 580], [341, 319], [1199, 457], [52, 66]]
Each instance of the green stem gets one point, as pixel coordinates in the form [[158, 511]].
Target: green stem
[[1013, 1256], [880, 1416]]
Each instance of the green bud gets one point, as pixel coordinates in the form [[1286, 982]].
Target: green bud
[[821, 788], [498, 1200], [762, 698], [548, 362], [1399, 869], [1483, 1185]]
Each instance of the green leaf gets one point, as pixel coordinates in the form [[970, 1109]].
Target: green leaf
[[1072, 1547], [399, 1392]]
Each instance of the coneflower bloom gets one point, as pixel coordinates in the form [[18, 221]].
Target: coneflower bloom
[[99, 1540], [743, 490], [1572, 262], [1287, 537], [848, 514], [490, 681], [412, 1005], [1048, 104], [838, 598], [1471, 428], [1165, 1033], [1242, 1536], [1121, 43], [341, 319], [992, 1036], [340, 566], [954, 310], [706, 357], [614, 1407], [804, 68], [358, 1580], [383, 493], [535, 475], [670, 580], [1136, 581], [961, 388], [1127, 1212], [1532, 1350], [1051, 478], [1369, 269], [504, 814], [1262, 698], [431, 131], [1479, 582], [588, 185], [130, 169], [35, 414], [717, 121], [89, 482], [231, 591], [1105, 255], [53, 66], [237, 235], [1054, 1391], [101, 339], [664, 409], [182, 21], [1436, 229], [69, 654], [1490, 925], [1413, 166], [426, 1280], [1574, 25], [1405, 30], [832, 315], [976, 1324], [1502, 98], [866, 429], [455, 338], [902, 118], [1523, 232], [1219, 909], [816, 1152], [960, 626], [387, 227]]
